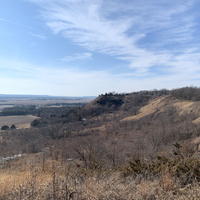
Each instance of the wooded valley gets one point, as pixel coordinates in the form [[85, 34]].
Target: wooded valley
[[140, 145]]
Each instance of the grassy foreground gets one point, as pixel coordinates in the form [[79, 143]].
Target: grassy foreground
[[32, 177]]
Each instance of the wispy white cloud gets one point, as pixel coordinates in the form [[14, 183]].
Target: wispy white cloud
[[77, 57], [71, 82], [18, 24], [117, 28], [38, 36]]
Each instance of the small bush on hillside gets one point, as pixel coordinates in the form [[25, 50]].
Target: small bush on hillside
[[13, 127], [184, 169], [5, 127], [35, 123]]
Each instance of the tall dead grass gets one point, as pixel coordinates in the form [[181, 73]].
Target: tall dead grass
[[27, 179]]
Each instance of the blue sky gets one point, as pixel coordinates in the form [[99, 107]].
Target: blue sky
[[89, 47]]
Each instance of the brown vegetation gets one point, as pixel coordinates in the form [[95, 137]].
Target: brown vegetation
[[20, 121], [42, 177], [142, 145]]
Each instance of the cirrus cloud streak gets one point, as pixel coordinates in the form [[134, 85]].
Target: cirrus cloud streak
[[142, 33]]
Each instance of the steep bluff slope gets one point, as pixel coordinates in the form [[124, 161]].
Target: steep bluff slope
[[162, 104]]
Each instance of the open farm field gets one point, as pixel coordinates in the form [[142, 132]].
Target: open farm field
[[40, 102], [19, 121], [5, 106]]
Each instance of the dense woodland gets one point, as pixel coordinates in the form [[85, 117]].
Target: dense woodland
[[98, 140]]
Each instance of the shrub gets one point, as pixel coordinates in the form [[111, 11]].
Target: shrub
[[184, 169], [13, 127], [5, 127]]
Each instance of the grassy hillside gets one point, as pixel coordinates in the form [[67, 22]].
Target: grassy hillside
[[142, 145]]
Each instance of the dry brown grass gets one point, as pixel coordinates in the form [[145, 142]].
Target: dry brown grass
[[26, 179], [151, 107], [161, 104], [22, 121]]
